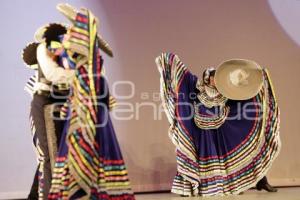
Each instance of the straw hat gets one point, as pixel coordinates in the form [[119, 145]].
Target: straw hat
[[71, 13], [239, 79]]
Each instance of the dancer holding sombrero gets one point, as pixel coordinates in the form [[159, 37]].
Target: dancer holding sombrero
[[225, 125]]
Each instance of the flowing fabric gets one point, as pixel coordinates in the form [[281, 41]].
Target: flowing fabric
[[219, 158], [89, 164]]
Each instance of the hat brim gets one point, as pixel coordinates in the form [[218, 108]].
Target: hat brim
[[29, 54], [104, 46], [239, 92], [70, 13]]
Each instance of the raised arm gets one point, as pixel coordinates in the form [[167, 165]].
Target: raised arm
[[171, 71]]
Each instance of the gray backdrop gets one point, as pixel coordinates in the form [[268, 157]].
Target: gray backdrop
[[202, 32]]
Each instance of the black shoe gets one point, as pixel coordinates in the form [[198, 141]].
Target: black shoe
[[264, 185], [31, 198]]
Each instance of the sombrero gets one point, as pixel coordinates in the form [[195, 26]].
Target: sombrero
[[71, 13], [239, 79]]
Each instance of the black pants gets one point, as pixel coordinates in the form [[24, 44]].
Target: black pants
[[40, 139]]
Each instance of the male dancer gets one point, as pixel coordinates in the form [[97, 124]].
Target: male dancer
[[46, 90]]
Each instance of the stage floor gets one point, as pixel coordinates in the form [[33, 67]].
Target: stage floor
[[292, 193]]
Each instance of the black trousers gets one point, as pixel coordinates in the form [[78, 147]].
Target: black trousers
[[43, 175]]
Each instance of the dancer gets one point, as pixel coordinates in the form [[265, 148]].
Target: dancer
[[223, 86], [45, 87], [89, 164], [223, 146]]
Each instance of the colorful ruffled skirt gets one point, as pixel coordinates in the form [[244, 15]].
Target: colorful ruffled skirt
[[103, 171], [220, 150]]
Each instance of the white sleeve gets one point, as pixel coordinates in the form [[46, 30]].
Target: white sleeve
[[50, 68]]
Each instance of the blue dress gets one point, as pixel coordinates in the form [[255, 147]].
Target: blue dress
[[108, 178], [222, 146], [89, 164]]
